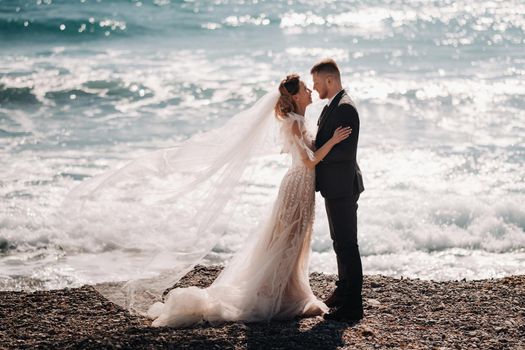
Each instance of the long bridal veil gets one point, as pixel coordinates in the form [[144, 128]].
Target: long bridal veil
[[162, 213]]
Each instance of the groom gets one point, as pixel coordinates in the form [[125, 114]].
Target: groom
[[339, 179]]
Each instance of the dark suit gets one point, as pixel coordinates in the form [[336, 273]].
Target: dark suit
[[339, 180]]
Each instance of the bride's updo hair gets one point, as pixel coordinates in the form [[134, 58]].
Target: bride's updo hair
[[289, 86]]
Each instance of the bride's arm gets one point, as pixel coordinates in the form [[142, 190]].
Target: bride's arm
[[340, 134]]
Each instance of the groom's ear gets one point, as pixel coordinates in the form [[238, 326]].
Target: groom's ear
[[331, 79]]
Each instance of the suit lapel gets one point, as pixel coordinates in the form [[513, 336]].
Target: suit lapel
[[326, 113], [322, 114]]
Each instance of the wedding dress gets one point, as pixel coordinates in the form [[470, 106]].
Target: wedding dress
[[160, 214], [268, 278]]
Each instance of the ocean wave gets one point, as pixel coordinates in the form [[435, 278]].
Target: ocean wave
[[85, 21], [9, 134], [448, 223], [68, 96], [104, 94], [65, 28], [17, 96], [458, 24], [392, 226], [89, 93]]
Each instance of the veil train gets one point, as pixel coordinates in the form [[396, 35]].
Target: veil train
[[162, 213]]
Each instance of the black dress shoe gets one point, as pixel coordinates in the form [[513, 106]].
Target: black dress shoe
[[345, 314], [334, 300]]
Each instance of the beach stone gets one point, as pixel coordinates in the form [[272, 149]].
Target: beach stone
[[373, 302]]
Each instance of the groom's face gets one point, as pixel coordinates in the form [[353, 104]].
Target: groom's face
[[320, 85]]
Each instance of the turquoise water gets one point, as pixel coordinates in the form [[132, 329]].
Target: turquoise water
[[88, 85]]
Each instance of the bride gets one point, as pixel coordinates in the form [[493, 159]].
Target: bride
[[268, 278]]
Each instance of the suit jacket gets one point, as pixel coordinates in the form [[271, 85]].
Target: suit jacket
[[338, 174]]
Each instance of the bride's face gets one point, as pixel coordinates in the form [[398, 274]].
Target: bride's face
[[304, 97]]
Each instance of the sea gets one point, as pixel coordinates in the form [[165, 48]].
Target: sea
[[89, 85]]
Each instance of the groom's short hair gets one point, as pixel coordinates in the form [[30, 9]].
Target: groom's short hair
[[326, 66]]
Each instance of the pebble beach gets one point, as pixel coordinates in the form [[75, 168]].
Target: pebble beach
[[399, 313]]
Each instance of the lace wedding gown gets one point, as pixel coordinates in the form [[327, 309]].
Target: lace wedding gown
[[268, 278]]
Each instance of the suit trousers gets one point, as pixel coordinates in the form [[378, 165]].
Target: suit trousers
[[342, 218]]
